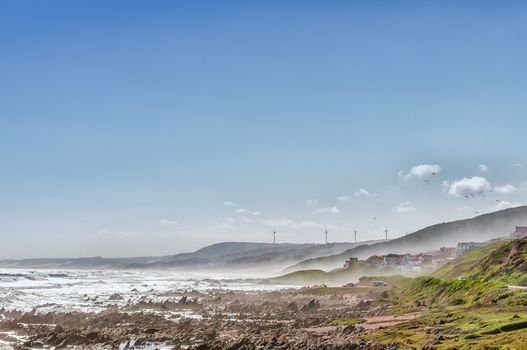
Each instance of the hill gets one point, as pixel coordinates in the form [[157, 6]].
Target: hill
[[504, 261], [480, 228], [480, 312], [338, 277], [225, 255]]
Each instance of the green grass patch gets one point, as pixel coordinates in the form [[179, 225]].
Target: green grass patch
[[490, 327], [338, 290]]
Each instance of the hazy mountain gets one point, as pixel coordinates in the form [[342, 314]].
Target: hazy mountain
[[480, 228], [226, 255], [243, 255]]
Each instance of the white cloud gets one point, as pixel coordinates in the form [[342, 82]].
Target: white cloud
[[230, 220], [362, 193], [405, 207], [332, 210], [168, 222], [229, 204], [247, 220], [226, 227], [423, 170], [247, 211], [107, 232], [506, 205], [519, 165], [505, 189], [104, 231], [126, 233], [469, 186], [312, 202], [288, 223], [344, 198], [483, 168]]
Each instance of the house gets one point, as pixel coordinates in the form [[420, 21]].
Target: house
[[520, 232], [425, 259], [351, 262], [447, 252], [410, 260], [375, 260], [437, 263], [393, 259], [463, 247]]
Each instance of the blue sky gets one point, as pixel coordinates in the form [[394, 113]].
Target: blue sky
[[126, 125]]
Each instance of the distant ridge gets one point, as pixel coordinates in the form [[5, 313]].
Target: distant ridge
[[480, 228], [226, 255], [275, 257]]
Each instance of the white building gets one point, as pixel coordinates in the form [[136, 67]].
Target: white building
[[463, 247]]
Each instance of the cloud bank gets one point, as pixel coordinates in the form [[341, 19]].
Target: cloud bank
[[332, 210], [423, 170], [468, 186], [362, 193], [167, 222], [505, 189], [344, 198], [405, 207], [506, 205]]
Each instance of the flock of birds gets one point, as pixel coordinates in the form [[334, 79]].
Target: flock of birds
[[468, 196], [374, 218]]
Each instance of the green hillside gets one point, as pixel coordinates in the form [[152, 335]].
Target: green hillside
[[504, 261], [480, 312], [339, 276]]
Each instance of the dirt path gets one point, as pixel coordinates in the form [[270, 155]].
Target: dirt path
[[371, 323], [377, 322]]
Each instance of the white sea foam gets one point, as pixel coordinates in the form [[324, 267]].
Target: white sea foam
[[73, 290]]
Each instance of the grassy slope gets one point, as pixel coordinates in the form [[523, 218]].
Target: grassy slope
[[504, 261], [336, 277], [478, 313]]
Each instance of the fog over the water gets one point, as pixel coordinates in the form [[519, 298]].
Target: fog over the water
[[170, 128]]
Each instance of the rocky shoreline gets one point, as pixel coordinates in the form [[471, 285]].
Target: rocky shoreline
[[217, 320]]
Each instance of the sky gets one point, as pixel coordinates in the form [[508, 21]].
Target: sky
[[139, 128]]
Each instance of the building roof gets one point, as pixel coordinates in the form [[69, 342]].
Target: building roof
[[392, 256]]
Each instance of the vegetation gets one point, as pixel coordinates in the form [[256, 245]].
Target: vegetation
[[341, 276], [460, 328], [339, 290], [480, 312], [304, 276], [505, 261]]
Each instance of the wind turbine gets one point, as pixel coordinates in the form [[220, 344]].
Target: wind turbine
[[386, 233], [326, 233], [274, 235], [355, 232]]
